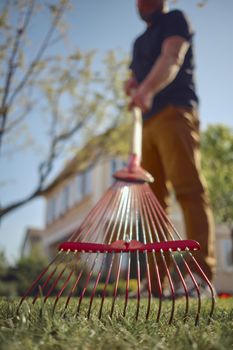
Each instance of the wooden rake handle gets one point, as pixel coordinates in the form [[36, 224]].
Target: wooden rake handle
[[136, 141]]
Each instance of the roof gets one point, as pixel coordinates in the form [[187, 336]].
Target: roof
[[32, 233]]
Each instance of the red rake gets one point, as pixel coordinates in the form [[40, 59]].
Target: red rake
[[141, 248]]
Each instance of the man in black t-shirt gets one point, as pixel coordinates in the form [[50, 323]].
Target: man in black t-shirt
[[163, 87]]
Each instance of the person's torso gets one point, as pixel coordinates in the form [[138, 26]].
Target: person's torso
[[147, 49]]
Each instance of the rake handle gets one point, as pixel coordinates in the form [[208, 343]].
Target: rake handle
[[136, 141]]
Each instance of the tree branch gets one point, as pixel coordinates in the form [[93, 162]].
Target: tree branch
[[5, 106], [40, 53], [11, 69]]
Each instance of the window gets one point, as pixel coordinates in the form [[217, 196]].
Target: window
[[87, 182], [51, 210], [227, 248], [84, 185], [78, 188], [65, 199], [115, 165], [72, 195], [58, 206]]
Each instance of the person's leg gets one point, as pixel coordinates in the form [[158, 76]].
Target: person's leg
[[152, 162], [177, 135]]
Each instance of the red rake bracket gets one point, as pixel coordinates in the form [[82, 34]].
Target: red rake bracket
[[132, 246]]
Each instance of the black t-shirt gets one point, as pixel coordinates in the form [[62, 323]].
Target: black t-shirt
[[147, 48]]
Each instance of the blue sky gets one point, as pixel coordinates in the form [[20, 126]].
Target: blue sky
[[110, 24]]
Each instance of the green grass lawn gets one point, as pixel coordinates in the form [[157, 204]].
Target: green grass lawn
[[29, 330]]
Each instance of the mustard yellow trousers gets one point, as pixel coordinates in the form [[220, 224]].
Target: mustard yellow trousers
[[171, 153]]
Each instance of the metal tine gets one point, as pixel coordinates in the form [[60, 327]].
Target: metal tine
[[118, 214], [129, 254], [58, 278], [76, 235], [126, 200], [93, 213], [128, 237], [117, 198], [171, 287], [102, 265], [196, 287], [198, 266], [141, 209], [115, 217], [34, 284], [131, 220], [87, 259], [127, 283], [162, 214], [87, 282], [160, 219], [50, 276], [64, 286], [116, 285], [137, 216], [99, 215], [148, 215], [139, 285], [96, 284], [71, 293], [209, 285], [183, 283], [159, 223], [100, 223], [45, 284], [106, 284], [161, 230], [191, 275]]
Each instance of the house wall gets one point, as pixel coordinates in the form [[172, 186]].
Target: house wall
[[63, 227], [224, 271], [62, 220]]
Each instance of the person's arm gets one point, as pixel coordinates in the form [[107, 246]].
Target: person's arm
[[163, 72]]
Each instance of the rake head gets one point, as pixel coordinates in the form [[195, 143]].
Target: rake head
[[126, 248]]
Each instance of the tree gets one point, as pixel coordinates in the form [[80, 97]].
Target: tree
[[77, 101], [217, 152], [217, 162]]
